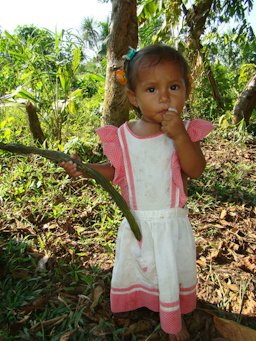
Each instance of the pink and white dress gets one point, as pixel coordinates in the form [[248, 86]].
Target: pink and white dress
[[160, 271]]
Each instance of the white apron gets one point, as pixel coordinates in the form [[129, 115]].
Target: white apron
[[158, 272]]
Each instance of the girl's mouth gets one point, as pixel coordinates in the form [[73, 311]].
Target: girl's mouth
[[170, 109], [163, 112]]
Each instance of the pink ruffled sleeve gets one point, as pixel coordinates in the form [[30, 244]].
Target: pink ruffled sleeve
[[198, 129], [112, 149]]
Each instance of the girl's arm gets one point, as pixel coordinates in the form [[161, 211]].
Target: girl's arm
[[104, 169], [191, 158]]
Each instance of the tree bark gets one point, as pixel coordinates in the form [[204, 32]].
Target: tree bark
[[196, 18], [34, 124], [123, 33], [215, 90], [245, 103]]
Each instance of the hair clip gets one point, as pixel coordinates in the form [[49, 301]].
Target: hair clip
[[130, 54], [120, 77]]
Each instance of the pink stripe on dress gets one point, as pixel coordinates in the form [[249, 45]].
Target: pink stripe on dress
[[192, 288], [121, 302], [170, 320], [173, 194], [169, 305], [137, 296], [173, 185], [135, 286], [187, 299], [129, 168]]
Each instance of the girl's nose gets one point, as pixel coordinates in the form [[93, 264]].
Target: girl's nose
[[163, 97]]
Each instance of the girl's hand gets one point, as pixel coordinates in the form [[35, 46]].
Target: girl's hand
[[190, 156], [172, 125], [71, 168]]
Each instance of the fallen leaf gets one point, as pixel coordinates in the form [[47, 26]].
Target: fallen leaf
[[233, 287], [138, 327], [214, 254], [37, 304], [234, 331], [42, 262], [202, 261], [223, 214], [66, 336], [97, 292], [27, 229], [48, 323], [20, 274], [225, 223], [248, 264]]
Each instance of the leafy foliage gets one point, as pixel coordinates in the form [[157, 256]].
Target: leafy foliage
[[50, 79], [95, 35]]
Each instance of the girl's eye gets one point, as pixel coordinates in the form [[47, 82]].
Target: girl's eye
[[174, 87], [151, 90]]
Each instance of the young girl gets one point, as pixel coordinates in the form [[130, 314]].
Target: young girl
[[151, 159]]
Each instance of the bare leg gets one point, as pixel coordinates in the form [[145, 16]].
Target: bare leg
[[183, 335]]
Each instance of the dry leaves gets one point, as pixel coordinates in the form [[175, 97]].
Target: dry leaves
[[234, 331]]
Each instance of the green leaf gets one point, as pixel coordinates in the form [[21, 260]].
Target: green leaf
[[41, 242], [226, 39], [76, 59], [148, 9], [27, 95], [7, 134]]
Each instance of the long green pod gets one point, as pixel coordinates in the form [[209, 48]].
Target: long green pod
[[58, 156]]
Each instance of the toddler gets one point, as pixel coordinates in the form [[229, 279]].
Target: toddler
[[150, 159]]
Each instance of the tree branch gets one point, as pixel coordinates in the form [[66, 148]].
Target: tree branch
[[57, 156]]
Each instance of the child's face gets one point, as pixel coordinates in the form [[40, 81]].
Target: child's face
[[158, 88]]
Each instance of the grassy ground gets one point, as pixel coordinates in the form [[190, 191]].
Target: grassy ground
[[57, 240]]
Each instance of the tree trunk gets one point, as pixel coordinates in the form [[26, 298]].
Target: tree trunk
[[196, 18], [123, 33], [34, 124], [245, 103], [215, 90]]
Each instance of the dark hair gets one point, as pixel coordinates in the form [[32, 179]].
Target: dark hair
[[153, 55]]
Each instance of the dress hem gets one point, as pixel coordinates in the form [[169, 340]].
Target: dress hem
[[128, 299]]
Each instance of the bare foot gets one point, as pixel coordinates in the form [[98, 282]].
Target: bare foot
[[183, 335]]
